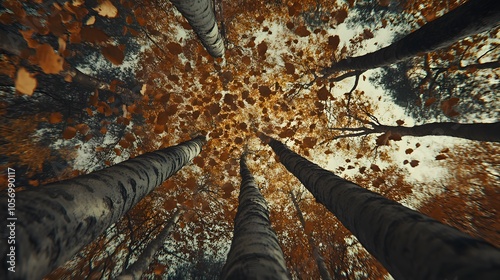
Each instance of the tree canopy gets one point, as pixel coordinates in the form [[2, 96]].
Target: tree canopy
[[88, 84]]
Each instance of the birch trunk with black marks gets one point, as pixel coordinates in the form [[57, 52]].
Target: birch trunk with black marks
[[255, 251], [488, 132], [201, 16], [472, 17], [135, 270], [57, 220], [323, 270], [409, 244]]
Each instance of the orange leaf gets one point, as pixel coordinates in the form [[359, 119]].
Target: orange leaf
[[441, 156], [25, 82], [174, 48], [114, 54], [414, 163], [55, 117], [430, 101], [302, 31], [408, 151], [290, 69], [69, 132], [375, 168], [323, 93], [48, 60], [106, 9], [383, 139], [447, 106]]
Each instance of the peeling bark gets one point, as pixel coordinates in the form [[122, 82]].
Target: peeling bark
[[200, 15], [135, 270], [255, 252], [409, 244], [472, 17], [55, 221]]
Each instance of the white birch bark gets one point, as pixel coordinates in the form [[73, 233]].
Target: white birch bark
[[55, 221]]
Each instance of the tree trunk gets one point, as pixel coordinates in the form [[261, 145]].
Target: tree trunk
[[52, 223], [472, 17], [323, 271], [135, 270], [473, 131], [409, 244], [255, 252], [200, 15]]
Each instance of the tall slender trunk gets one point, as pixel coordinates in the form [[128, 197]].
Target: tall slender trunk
[[472, 131], [200, 15], [323, 271], [409, 244], [472, 17], [255, 252], [135, 270], [55, 221]]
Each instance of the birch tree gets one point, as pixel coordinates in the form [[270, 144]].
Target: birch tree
[[255, 252], [200, 15], [323, 271], [473, 17], [135, 270], [55, 221], [409, 244]]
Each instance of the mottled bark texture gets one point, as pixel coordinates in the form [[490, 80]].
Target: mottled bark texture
[[55, 221], [255, 252], [409, 244], [200, 15], [323, 270], [473, 17], [135, 270]]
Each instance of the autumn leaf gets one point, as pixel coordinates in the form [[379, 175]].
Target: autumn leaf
[[375, 168], [400, 122], [334, 41], [106, 9], [430, 101], [408, 151], [395, 137], [113, 53], [290, 69], [383, 139], [302, 31], [174, 48], [69, 132], [55, 117], [447, 107], [441, 157], [323, 93], [25, 82], [414, 163], [90, 20], [265, 91], [48, 60], [309, 142]]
